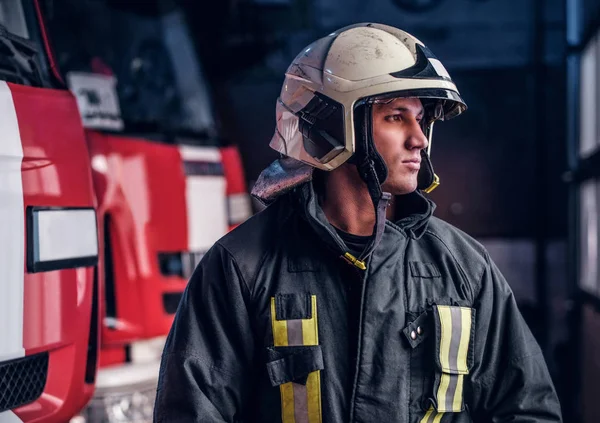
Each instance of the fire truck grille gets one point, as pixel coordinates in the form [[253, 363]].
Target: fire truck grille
[[22, 381]]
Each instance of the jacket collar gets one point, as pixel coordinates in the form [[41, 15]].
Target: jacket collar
[[412, 213], [415, 211]]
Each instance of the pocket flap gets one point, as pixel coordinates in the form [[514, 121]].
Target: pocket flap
[[424, 270], [454, 330], [293, 306], [293, 364]]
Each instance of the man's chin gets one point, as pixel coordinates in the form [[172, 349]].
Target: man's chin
[[399, 188]]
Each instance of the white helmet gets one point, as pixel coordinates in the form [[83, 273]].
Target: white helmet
[[317, 118]]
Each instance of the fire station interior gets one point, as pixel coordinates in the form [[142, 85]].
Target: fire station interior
[[122, 120]]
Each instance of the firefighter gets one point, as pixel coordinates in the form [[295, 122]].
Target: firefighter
[[317, 309]]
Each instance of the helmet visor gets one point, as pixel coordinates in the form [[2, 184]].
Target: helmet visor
[[451, 102]]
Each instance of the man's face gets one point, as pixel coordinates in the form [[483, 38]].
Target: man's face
[[399, 139]]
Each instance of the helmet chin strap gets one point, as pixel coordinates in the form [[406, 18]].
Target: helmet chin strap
[[426, 178], [371, 167]]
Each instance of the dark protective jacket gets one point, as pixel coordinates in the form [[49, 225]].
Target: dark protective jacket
[[275, 326]]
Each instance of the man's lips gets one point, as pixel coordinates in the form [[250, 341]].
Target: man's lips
[[414, 164]]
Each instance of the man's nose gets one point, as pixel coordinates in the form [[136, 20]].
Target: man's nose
[[416, 138]]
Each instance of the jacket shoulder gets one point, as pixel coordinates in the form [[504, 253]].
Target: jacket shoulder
[[469, 255], [249, 243]]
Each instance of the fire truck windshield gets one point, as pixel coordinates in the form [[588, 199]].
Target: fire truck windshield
[[159, 80], [12, 18], [21, 53]]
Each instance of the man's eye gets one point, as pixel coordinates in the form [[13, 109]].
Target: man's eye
[[393, 118]]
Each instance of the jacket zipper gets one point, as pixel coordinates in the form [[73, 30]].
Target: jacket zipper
[[359, 343]]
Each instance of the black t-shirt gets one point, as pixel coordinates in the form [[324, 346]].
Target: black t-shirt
[[355, 243]]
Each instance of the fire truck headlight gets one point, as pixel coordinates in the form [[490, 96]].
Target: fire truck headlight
[[59, 238]]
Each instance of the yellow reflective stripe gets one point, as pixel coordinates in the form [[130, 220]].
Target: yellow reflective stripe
[[432, 416], [310, 332], [441, 394], [458, 395], [280, 339], [455, 335], [438, 417], [427, 415], [287, 403], [280, 336], [446, 329], [465, 337], [310, 336], [313, 390]]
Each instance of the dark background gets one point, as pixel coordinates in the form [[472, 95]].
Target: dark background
[[487, 159]]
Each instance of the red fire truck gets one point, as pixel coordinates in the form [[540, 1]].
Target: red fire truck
[[49, 248], [146, 182], [167, 186]]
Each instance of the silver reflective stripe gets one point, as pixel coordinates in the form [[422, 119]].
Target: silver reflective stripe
[[300, 403], [294, 329]]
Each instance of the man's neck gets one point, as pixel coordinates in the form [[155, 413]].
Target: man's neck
[[346, 201]]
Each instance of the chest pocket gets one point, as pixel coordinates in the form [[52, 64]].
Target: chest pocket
[[295, 360], [448, 344]]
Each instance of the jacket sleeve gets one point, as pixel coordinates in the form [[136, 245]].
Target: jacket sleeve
[[206, 363], [511, 382]]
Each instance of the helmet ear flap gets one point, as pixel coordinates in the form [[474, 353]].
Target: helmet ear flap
[[380, 166], [365, 146]]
